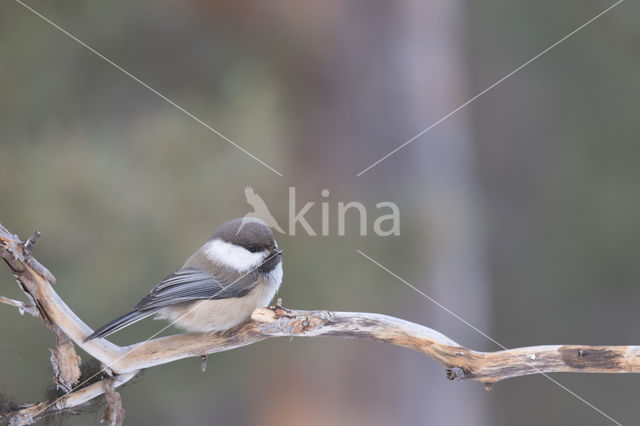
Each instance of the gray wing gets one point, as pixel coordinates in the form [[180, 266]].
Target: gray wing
[[187, 284]]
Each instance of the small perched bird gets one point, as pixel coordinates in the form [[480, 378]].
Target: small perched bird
[[236, 271]]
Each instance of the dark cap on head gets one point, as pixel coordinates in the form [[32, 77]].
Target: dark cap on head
[[252, 234]]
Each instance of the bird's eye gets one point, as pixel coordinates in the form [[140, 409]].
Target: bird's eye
[[252, 249]]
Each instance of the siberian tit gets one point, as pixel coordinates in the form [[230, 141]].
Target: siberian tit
[[236, 271]]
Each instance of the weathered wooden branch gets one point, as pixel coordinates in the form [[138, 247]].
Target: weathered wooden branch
[[124, 362]]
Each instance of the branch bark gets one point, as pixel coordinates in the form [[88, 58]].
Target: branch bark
[[124, 362]]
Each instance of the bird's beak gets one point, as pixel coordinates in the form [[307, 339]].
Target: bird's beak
[[276, 251]]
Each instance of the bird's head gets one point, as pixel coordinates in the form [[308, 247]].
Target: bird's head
[[245, 244]]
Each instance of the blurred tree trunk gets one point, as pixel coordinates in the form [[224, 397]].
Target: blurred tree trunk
[[443, 164], [418, 72]]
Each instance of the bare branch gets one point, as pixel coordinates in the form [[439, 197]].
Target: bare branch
[[114, 413], [125, 362], [66, 363], [50, 307], [22, 307], [34, 412]]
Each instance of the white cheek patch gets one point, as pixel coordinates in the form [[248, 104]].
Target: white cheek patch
[[233, 256]]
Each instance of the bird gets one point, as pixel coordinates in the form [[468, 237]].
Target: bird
[[238, 269], [260, 210]]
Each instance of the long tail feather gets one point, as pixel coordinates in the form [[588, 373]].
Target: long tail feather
[[120, 323]]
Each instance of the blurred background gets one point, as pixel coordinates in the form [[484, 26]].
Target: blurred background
[[519, 212]]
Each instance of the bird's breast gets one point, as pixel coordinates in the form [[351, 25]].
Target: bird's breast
[[223, 314]]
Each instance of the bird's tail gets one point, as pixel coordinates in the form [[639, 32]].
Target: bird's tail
[[119, 323]]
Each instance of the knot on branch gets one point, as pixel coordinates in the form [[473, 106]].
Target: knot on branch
[[456, 373], [276, 319]]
